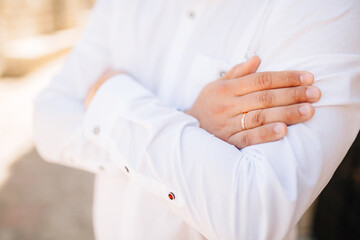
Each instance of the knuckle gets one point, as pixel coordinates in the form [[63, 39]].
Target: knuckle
[[265, 80], [299, 94], [295, 95], [258, 118], [290, 115], [266, 98], [263, 134], [220, 109], [293, 78], [222, 89], [245, 140]]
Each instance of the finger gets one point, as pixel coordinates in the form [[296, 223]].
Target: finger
[[243, 69], [270, 80], [276, 98], [267, 133], [289, 115]]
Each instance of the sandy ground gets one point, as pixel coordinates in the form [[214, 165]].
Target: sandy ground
[[38, 200]]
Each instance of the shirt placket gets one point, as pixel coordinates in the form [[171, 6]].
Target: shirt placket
[[187, 24]]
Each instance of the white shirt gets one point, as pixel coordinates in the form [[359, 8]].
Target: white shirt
[[145, 151]]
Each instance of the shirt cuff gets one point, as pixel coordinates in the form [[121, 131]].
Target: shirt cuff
[[108, 103]]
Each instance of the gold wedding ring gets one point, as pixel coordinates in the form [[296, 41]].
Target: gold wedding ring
[[243, 121]]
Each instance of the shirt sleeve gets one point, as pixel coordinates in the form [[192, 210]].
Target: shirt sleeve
[[258, 192], [59, 110]]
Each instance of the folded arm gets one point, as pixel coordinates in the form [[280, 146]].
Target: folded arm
[[258, 192]]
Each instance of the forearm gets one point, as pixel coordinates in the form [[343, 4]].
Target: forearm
[[126, 128], [222, 192], [59, 110], [59, 135], [213, 182]]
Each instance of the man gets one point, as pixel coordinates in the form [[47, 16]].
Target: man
[[170, 135]]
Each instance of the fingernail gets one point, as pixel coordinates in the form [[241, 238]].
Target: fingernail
[[305, 110], [306, 78], [313, 93], [278, 128]]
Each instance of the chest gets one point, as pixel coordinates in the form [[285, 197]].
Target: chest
[[174, 48]]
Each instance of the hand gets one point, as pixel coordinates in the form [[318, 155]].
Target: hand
[[270, 99], [103, 78]]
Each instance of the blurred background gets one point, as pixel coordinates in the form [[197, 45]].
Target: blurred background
[[39, 200]]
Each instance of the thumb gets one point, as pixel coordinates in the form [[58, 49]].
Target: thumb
[[243, 69]]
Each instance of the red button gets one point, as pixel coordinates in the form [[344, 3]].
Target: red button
[[171, 196]]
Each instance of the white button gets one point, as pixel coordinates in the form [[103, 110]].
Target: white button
[[101, 168], [191, 14], [96, 130], [222, 73]]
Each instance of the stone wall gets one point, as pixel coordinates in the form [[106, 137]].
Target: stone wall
[[21, 18]]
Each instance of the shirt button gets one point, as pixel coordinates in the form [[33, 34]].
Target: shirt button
[[222, 73], [171, 196], [191, 14], [101, 168], [127, 169], [96, 130]]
